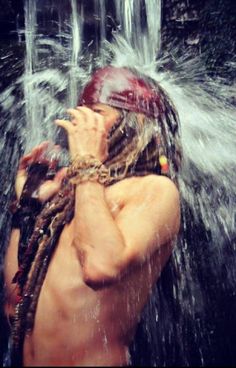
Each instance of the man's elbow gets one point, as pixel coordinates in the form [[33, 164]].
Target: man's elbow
[[98, 276], [174, 210], [177, 217]]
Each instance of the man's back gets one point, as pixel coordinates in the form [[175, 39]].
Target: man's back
[[77, 324]]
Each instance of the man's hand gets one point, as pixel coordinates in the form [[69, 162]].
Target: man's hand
[[86, 133], [38, 155]]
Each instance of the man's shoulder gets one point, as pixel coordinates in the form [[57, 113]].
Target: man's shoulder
[[152, 182], [158, 180], [157, 185], [150, 185]]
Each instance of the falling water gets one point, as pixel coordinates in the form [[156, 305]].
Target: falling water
[[76, 45], [100, 9], [56, 67], [145, 42], [30, 62]]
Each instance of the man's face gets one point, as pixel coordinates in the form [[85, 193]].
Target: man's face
[[110, 114]]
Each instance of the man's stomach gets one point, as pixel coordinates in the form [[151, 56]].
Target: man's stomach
[[72, 332], [65, 352], [77, 326]]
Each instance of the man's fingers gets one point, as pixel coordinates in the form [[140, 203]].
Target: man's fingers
[[20, 182], [47, 190], [51, 187], [24, 161], [76, 114], [39, 149], [82, 113], [34, 155], [42, 146], [89, 115], [60, 175], [100, 122], [66, 124], [86, 111]]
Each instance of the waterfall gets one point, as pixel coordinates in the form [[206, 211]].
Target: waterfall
[[30, 62], [139, 38], [100, 8], [75, 47], [145, 40]]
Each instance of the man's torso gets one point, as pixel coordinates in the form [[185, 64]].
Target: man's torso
[[77, 325]]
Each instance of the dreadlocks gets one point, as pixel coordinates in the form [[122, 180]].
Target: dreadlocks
[[136, 143]]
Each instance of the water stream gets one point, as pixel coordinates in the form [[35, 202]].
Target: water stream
[[60, 53]]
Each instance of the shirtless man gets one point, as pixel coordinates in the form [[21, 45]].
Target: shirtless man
[[109, 255]]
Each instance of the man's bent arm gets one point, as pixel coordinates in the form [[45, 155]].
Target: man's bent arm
[[107, 248], [97, 238]]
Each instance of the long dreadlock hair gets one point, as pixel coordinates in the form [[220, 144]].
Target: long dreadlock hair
[[135, 145]]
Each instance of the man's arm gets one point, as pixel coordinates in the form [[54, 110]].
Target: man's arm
[[45, 191], [109, 248], [10, 268], [49, 187]]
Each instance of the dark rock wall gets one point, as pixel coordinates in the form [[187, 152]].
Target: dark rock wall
[[181, 25], [202, 27]]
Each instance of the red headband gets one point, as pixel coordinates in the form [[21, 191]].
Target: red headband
[[121, 88]]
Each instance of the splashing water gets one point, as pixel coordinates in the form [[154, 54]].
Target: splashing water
[[58, 61]]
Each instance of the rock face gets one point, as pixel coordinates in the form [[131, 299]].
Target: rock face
[[181, 24], [198, 26], [11, 13], [201, 27]]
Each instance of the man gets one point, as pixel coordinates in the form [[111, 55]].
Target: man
[[104, 230]]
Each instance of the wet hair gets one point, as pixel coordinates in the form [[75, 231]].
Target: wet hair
[[136, 143]]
